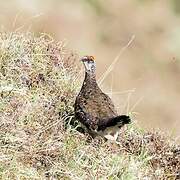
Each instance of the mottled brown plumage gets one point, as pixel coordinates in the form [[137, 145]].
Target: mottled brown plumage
[[94, 109]]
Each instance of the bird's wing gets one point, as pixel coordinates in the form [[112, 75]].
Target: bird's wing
[[93, 109], [101, 106], [83, 114]]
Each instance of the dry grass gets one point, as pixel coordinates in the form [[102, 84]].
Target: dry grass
[[39, 79]]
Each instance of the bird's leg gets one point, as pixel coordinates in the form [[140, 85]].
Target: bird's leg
[[116, 135], [109, 137], [112, 137], [93, 135]]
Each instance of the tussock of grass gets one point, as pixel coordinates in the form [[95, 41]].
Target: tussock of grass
[[39, 79]]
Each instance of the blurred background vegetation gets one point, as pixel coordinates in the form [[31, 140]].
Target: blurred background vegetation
[[150, 66]]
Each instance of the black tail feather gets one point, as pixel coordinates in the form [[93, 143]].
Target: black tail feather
[[122, 120], [125, 119]]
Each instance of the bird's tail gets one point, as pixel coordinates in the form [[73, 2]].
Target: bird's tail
[[115, 121], [123, 118]]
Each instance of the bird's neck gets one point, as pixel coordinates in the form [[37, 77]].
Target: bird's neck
[[90, 79]]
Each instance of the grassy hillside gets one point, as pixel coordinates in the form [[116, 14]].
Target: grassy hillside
[[39, 79]]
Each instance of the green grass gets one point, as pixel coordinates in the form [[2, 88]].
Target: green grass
[[39, 80]]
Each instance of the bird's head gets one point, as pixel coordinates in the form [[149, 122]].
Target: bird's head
[[89, 64]]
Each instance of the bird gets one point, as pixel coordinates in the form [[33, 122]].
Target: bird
[[94, 109]]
